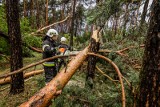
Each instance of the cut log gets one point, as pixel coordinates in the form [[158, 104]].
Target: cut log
[[44, 96], [7, 80]]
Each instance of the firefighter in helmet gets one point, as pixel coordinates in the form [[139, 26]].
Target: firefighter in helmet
[[49, 50]]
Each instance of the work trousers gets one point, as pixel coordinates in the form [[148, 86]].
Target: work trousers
[[50, 73]]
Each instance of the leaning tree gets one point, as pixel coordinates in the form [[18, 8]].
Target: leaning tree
[[17, 81], [150, 75]]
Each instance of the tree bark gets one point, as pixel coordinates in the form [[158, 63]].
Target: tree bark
[[17, 81], [150, 74], [44, 96]]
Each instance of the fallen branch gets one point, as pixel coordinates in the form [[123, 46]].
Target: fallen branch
[[2, 34], [26, 75], [105, 74], [34, 64], [35, 49], [129, 84], [108, 51], [120, 52], [7, 58], [51, 25], [130, 47], [4, 88], [44, 96], [119, 75]]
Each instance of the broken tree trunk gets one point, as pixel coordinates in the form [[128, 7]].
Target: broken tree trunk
[[44, 96], [94, 47], [7, 80]]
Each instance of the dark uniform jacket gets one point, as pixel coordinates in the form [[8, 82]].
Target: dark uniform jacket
[[49, 50]]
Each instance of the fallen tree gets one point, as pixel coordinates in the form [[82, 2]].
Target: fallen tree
[[43, 97], [26, 75]]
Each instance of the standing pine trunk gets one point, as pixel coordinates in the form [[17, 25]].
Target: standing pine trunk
[[24, 8], [46, 12], [150, 74], [125, 19], [72, 25], [32, 13], [17, 81], [37, 14]]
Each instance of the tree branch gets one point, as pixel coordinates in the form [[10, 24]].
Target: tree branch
[[52, 25], [7, 58], [7, 80], [2, 34], [105, 74], [35, 49]]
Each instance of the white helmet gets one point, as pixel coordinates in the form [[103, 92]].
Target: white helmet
[[63, 39], [51, 32]]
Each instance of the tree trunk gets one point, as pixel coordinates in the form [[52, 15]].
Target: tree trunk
[[44, 96], [94, 47], [150, 74], [72, 25], [37, 14], [46, 12], [24, 8], [17, 81], [31, 13], [125, 19], [144, 12]]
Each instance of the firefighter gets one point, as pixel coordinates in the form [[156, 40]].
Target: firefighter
[[49, 50], [64, 49]]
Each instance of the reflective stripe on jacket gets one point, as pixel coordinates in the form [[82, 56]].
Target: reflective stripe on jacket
[[49, 64]]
